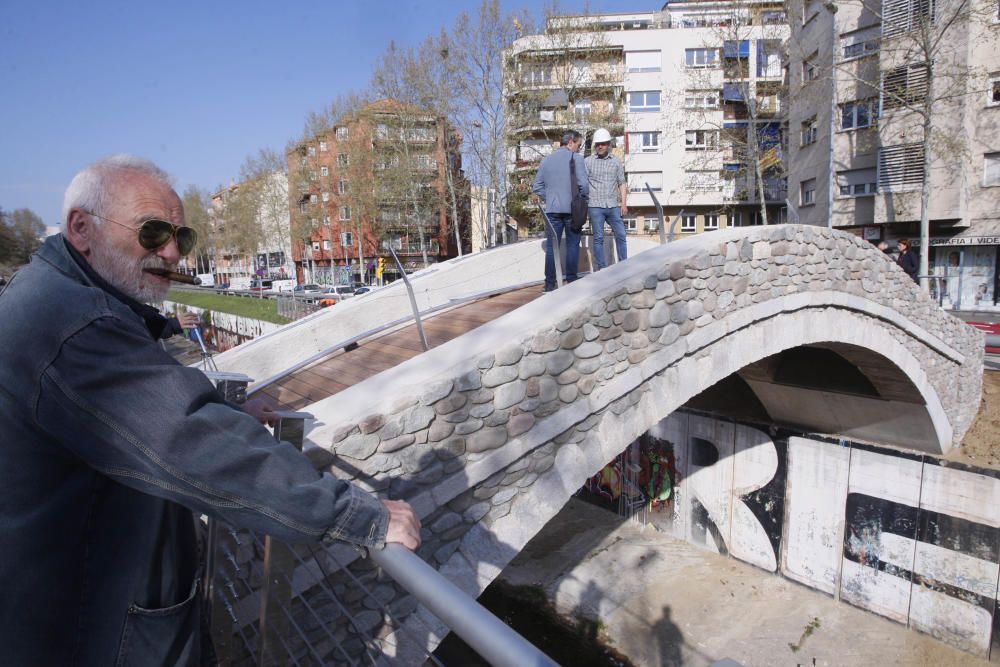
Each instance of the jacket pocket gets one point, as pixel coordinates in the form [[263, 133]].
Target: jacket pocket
[[167, 636]]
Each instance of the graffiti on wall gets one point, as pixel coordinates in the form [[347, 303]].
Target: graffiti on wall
[[907, 536]]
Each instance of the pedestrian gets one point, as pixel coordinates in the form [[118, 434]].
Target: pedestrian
[[111, 448], [907, 260], [553, 191], [608, 196]]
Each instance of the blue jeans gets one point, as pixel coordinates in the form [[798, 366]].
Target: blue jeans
[[614, 218], [561, 222]]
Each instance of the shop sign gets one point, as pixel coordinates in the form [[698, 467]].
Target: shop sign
[[960, 240]]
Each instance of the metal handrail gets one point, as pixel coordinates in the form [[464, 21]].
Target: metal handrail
[[491, 638]]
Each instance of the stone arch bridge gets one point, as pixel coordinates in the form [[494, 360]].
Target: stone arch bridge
[[489, 434]]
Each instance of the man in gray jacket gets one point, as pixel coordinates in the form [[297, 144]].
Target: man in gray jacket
[[109, 444], [552, 186]]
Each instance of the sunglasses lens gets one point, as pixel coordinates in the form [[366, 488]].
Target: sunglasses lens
[[154, 234], [186, 240]]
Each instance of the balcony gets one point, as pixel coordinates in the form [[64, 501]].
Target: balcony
[[411, 247]]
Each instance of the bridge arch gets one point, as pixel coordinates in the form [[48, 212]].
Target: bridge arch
[[490, 434]]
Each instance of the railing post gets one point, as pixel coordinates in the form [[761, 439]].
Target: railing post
[[413, 300], [278, 563]]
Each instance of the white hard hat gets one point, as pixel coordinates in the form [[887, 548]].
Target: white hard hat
[[601, 136]]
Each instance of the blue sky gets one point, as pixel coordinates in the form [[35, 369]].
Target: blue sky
[[194, 86]]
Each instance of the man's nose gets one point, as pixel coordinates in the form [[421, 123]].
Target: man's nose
[[169, 252]]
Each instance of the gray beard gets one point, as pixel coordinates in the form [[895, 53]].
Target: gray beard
[[127, 275]]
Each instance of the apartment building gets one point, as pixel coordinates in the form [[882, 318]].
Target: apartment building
[[386, 175], [866, 81], [261, 209], [693, 94]]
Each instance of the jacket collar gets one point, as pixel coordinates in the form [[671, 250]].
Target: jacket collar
[[57, 251]]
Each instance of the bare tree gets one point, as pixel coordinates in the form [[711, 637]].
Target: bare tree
[[476, 75]]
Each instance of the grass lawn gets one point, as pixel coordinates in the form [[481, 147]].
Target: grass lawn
[[260, 309]]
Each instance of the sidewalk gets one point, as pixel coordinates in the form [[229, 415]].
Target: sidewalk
[[664, 602]]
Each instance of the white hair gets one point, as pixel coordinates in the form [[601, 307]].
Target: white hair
[[94, 186]]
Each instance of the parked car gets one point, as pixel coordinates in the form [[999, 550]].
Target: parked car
[[362, 290], [308, 288], [261, 285], [340, 291]]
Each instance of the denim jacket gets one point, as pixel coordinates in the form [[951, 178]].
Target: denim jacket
[[108, 445]]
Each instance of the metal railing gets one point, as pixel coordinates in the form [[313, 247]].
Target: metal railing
[[278, 604]]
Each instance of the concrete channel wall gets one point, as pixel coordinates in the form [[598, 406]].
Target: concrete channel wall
[[907, 536]]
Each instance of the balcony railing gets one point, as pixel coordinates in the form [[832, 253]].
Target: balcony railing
[[412, 247]]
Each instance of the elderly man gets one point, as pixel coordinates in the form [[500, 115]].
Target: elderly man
[[109, 445], [553, 189], [608, 196]]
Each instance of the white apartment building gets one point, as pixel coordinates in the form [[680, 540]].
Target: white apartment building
[[858, 83], [693, 94]]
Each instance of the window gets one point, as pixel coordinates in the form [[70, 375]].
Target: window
[[316, 246], [688, 222], [631, 227], [809, 131], [701, 57], [637, 181], [903, 85], [810, 68], [425, 162], [993, 91], [536, 75], [807, 192], [642, 61], [342, 160], [652, 224], [326, 196], [711, 221], [420, 134], [702, 180], [326, 220], [381, 131], [312, 150], [643, 142], [324, 170], [900, 16], [534, 149], [856, 114], [991, 169], [326, 244], [701, 99], [859, 46], [313, 198], [312, 174], [314, 224], [342, 133], [322, 147], [769, 58], [345, 212], [856, 182], [346, 239], [581, 110], [701, 139], [342, 186], [642, 101], [900, 167]]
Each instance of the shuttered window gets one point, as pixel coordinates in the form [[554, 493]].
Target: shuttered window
[[904, 85], [900, 167], [902, 16]]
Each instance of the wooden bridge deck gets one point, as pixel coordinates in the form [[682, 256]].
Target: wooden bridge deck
[[382, 351]]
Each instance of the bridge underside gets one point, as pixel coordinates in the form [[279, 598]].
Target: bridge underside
[[832, 388]]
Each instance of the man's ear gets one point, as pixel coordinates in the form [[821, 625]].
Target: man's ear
[[80, 231]]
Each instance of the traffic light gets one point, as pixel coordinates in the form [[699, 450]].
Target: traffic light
[[381, 267]]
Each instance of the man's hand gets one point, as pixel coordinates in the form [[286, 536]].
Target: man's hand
[[404, 526], [261, 410], [624, 209], [188, 320]]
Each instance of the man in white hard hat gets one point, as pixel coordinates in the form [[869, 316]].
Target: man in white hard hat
[[608, 196]]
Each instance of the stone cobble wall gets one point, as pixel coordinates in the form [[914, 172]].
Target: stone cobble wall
[[490, 449]]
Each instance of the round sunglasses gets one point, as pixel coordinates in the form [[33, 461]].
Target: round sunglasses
[[155, 233]]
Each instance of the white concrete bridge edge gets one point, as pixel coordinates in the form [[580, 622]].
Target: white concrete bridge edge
[[496, 268]]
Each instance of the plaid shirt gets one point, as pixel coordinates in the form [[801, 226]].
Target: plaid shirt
[[605, 174]]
